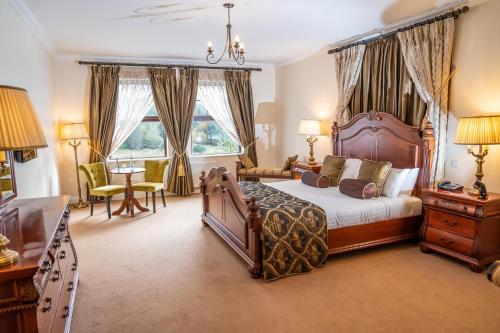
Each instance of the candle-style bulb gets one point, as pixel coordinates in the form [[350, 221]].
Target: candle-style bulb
[[210, 44], [242, 47], [237, 39]]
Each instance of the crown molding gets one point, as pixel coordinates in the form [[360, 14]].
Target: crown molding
[[64, 57], [31, 21]]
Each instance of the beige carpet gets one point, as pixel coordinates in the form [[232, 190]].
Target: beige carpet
[[168, 273]]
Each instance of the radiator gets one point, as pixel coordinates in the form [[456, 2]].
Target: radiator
[[198, 166]]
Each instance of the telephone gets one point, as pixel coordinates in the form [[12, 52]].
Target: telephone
[[449, 186]]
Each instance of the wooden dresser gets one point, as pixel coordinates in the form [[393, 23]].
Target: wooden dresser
[[462, 226], [37, 293], [298, 168]]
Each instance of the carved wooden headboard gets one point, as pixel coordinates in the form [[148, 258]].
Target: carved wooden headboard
[[379, 136]]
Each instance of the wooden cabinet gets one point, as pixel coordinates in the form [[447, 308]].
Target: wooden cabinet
[[298, 168], [37, 293], [462, 226]]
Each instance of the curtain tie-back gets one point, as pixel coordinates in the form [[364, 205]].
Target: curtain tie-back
[[181, 172], [251, 143]]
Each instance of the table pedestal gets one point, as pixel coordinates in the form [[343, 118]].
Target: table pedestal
[[130, 201]]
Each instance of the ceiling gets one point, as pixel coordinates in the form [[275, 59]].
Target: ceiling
[[273, 31]]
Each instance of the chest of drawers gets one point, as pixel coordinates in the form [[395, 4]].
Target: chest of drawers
[[37, 293], [462, 226]]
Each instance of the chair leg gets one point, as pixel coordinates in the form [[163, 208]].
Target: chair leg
[[163, 197], [108, 206], [153, 197], [91, 205], [146, 199]]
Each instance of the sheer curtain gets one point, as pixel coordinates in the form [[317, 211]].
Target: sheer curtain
[[134, 101], [213, 94]]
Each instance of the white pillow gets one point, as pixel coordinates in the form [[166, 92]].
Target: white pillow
[[394, 182], [410, 181], [350, 169]]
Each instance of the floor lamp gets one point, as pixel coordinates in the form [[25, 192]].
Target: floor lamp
[[73, 133], [20, 129]]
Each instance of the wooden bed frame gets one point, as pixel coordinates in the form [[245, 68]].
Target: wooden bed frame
[[373, 135]]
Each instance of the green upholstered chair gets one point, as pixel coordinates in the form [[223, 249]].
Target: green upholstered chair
[[98, 185], [153, 180]]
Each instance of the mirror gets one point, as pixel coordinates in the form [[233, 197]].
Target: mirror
[[7, 178]]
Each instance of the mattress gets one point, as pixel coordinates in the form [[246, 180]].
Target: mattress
[[343, 210]]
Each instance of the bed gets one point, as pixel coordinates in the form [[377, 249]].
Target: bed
[[373, 135]]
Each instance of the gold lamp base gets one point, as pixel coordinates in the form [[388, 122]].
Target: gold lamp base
[[7, 257], [311, 140], [483, 151]]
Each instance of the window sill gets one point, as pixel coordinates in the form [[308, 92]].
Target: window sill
[[121, 160], [214, 155]]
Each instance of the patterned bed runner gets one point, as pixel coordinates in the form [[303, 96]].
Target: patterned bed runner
[[293, 232]]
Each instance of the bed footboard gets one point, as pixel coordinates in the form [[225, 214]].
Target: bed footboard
[[232, 215]]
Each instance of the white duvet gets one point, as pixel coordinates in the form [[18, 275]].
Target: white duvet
[[343, 210]]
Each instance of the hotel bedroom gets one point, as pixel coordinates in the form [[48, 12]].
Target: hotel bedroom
[[260, 165]]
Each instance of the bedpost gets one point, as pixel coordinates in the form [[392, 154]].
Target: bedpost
[[254, 225], [204, 197], [428, 136], [335, 138]]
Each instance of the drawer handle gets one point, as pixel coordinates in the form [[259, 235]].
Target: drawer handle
[[48, 300], [66, 311], [446, 241], [451, 224]]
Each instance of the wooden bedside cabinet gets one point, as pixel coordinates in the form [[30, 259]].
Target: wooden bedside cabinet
[[462, 226], [298, 168]]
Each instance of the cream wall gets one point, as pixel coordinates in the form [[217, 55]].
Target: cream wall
[[475, 89], [70, 105], [25, 63], [307, 89]]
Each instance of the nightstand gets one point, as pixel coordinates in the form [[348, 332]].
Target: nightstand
[[462, 226], [298, 168]]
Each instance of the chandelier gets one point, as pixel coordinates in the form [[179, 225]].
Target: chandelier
[[235, 51]]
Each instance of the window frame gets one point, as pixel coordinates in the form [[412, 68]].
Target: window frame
[[147, 119], [207, 118]]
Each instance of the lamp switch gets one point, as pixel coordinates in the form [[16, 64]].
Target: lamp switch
[[454, 164]]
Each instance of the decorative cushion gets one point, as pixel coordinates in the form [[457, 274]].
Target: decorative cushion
[[313, 179], [147, 187], [410, 181], [358, 188], [289, 161], [332, 167], [246, 161], [494, 273], [394, 182], [107, 191], [376, 172], [350, 169]]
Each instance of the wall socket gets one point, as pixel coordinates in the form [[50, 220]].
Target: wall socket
[[454, 163]]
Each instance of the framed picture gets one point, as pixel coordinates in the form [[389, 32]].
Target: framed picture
[[23, 156]]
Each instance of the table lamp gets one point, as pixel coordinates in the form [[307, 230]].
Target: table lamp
[[3, 159], [19, 129], [482, 131], [311, 128], [73, 133]]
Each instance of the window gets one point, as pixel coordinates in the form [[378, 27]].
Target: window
[[146, 141], [207, 137]]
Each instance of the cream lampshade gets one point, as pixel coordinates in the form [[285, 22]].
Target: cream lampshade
[[75, 132], [311, 128], [482, 131], [19, 129]]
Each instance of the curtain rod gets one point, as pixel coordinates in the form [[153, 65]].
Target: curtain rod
[[455, 14], [134, 64]]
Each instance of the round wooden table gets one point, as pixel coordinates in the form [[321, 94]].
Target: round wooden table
[[130, 201]]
